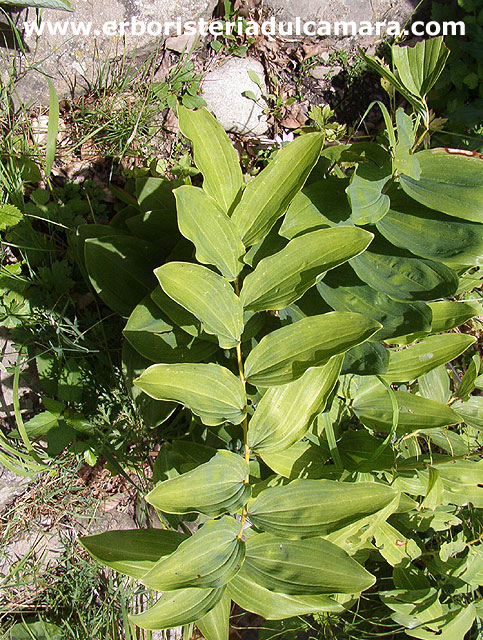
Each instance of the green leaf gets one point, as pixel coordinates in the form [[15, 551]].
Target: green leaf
[[430, 234], [152, 412], [178, 608], [41, 424], [9, 216], [284, 414], [212, 488], [215, 625], [303, 567], [268, 196], [431, 352], [343, 290], [301, 460], [208, 559], [62, 5], [285, 354], [39, 630], [121, 270], [404, 278], [52, 127], [251, 596], [211, 392], [404, 160], [357, 449], [367, 359], [451, 181], [471, 411], [383, 70], [179, 315], [214, 155], [207, 296], [365, 192], [134, 552], [467, 385], [375, 411], [212, 232], [308, 508], [397, 549], [284, 277], [462, 482], [448, 315], [152, 334], [319, 205], [454, 626], [435, 385], [420, 66]]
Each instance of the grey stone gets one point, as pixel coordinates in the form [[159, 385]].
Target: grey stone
[[45, 548], [320, 72], [223, 91], [73, 62], [105, 521], [8, 359], [12, 486], [342, 10], [182, 43]]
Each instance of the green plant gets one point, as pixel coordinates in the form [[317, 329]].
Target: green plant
[[273, 103], [63, 5], [458, 95], [182, 83], [318, 443]]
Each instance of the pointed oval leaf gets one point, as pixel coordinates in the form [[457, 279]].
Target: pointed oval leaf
[[251, 596], [209, 559], [132, 553], [206, 295], [413, 362], [462, 482], [368, 201], [448, 314], [212, 488], [308, 508], [343, 290], [431, 234], [156, 338], [215, 625], [210, 229], [405, 278], [375, 410], [213, 154], [284, 277], [301, 460], [451, 181], [285, 354], [319, 205], [211, 392], [420, 66], [180, 316], [178, 608], [268, 196], [284, 414], [471, 411], [313, 566], [120, 270]]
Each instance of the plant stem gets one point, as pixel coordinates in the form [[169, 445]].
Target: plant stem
[[245, 421]]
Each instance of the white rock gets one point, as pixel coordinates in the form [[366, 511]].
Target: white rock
[[223, 89]]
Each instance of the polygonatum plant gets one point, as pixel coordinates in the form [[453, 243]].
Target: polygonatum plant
[[304, 320]]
